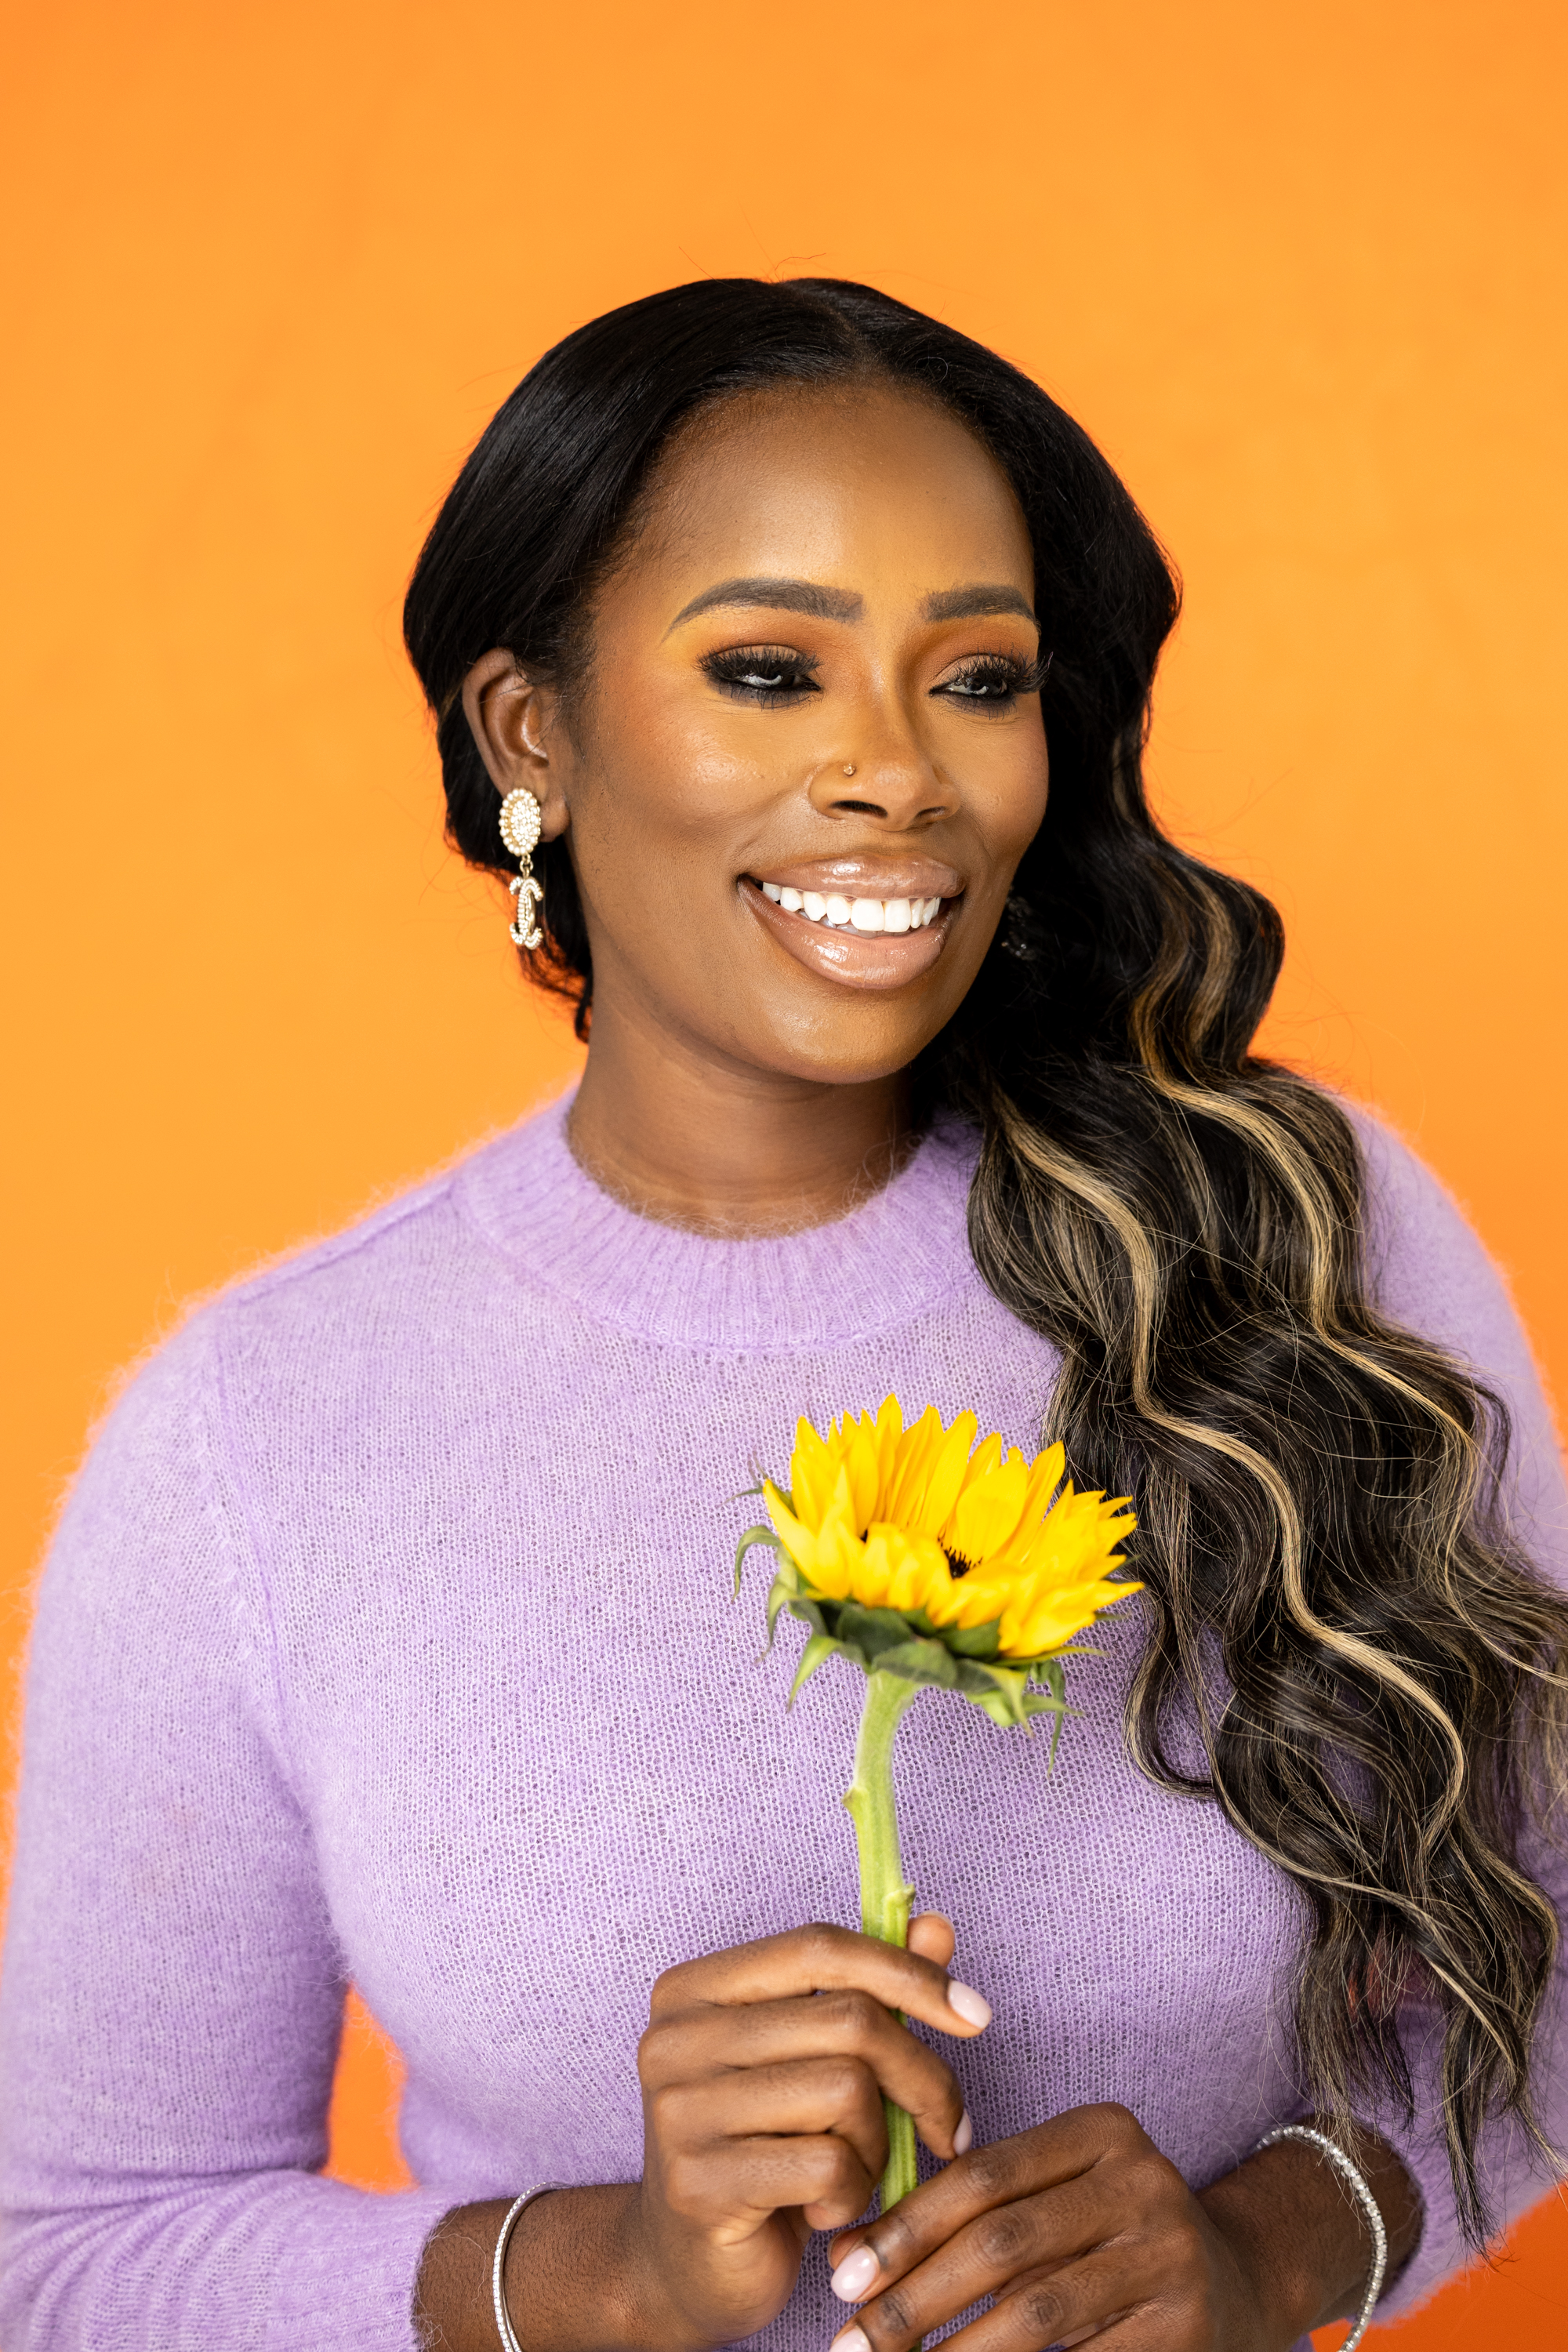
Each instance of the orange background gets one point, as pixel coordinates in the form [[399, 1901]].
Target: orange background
[[1298, 269]]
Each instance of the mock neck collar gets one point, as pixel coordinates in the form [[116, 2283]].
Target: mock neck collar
[[902, 1252]]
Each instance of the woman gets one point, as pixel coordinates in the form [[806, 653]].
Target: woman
[[388, 1637]]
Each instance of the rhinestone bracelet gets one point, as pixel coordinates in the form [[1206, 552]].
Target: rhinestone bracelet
[[509, 2342], [1355, 2181]]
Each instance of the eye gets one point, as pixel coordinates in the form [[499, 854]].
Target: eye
[[994, 679], [765, 675]]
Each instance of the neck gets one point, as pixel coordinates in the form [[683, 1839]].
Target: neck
[[692, 1140]]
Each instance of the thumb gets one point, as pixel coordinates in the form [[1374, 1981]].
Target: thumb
[[932, 1937]]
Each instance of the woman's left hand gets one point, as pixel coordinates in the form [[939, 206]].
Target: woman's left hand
[[1080, 2227]]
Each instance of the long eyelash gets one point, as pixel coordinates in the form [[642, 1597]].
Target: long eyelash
[[1022, 678], [728, 671]]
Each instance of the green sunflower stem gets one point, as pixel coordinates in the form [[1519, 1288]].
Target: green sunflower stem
[[884, 1894]]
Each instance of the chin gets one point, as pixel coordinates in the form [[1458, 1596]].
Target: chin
[[860, 1055]]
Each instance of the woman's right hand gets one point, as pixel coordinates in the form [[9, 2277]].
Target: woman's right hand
[[763, 2070]]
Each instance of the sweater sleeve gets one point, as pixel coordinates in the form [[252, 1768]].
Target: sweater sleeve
[[1431, 1274], [172, 1991]]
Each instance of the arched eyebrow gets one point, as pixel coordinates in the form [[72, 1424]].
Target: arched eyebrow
[[971, 603], [808, 596]]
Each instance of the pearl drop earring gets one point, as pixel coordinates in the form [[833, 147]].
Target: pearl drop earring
[[520, 822]]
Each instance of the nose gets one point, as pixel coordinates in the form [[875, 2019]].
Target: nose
[[891, 778]]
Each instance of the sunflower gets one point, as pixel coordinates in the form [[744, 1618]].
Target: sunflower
[[928, 1561], [917, 1552]]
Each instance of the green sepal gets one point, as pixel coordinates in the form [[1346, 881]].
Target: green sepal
[[974, 1641], [744, 1493], [1050, 1672], [871, 1630], [1003, 1691], [783, 1593], [752, 1537], [926, 1663], [810, 1613], [820, 1646]]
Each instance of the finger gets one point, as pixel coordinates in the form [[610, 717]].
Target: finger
[[808, 2097], [824, 1959], [931, 1936], [989, 2256], [728, 2186], [700, 2045], [1064, 2304], [1068, 2148]]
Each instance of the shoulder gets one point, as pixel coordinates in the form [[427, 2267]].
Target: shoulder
[[1430, 1273], [1427, 1267], [395, 1272], [396, 1229], [314, 1325]]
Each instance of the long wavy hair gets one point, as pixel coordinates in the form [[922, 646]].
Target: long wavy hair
[[1374, 1674]]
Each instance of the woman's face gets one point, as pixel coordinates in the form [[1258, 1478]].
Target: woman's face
[[809, 755]]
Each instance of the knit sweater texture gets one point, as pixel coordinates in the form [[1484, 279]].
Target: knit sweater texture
[[388, 1638]]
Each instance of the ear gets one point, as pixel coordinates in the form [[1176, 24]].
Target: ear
[[516, 725]]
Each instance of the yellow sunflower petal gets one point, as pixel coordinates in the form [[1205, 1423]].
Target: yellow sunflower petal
[[1051, 1617], [813, 1468], [890, 1436], [826, 1555], [1007, 1553], [1046, 1474], [978, 1599], [904, 1495], [836, 1568], [863, 1469], [921, 1578], [945, 1476], [875, 1570], [986, 1513]]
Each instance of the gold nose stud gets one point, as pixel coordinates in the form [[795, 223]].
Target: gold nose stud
[[849, 767]]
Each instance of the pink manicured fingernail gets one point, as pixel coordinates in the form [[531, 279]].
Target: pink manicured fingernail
[[971, 2006], [854, 2339], [963, 2137], [851, 2282]]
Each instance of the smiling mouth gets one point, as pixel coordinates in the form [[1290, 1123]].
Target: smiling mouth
[[863, 922], [841, 913]]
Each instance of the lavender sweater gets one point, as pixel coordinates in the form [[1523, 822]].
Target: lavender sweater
[[388, 1637]]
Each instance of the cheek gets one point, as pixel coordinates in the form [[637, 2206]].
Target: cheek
[[669, 771], [1008, 795], [658, 831]]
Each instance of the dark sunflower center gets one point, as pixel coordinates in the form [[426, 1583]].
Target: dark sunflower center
[[957, 1565]]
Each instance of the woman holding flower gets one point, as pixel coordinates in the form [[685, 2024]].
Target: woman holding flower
[[807, 648]]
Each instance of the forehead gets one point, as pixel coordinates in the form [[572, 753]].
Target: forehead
[[836, 483]]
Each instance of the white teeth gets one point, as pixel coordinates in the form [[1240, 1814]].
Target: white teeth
[[858, 914]]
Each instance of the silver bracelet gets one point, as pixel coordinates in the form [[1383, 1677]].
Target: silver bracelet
[[1355, 2181], [509, 2342]]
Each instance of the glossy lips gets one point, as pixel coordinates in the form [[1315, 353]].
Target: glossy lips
[[867, 922]]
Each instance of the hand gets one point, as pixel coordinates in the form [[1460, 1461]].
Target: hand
[[1080, 2227], [763, 2070]]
